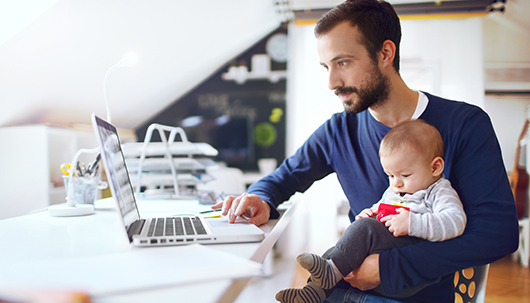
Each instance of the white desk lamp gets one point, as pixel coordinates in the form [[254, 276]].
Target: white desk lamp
[[128, 59], [70, 208]]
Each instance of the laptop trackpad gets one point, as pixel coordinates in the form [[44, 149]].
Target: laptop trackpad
[[240, 226]]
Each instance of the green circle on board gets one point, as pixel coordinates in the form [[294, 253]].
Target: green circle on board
[[265, 134]]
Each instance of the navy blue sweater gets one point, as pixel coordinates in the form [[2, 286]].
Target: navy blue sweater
[[348, 145]]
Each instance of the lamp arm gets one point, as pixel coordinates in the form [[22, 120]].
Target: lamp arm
[[107, 74], [128, 59]]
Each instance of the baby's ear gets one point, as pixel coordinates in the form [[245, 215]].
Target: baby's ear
[[437, 165]]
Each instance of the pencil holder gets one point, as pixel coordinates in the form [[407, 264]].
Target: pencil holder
[[85, 188]]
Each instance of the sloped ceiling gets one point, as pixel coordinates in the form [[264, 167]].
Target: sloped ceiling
[[52, 71]]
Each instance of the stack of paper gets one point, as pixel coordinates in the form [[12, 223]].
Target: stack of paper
[[137, 270]]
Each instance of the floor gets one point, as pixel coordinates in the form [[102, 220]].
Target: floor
[[508, 282], [264, 289]]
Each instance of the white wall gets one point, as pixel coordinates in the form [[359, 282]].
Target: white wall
[[444, 57], [507, 113], [507, 35], [507, 43], [309, 104]]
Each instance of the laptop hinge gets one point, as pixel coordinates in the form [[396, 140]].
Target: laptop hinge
[[135, 228]]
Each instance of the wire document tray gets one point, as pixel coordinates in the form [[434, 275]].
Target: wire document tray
[[168, 169]]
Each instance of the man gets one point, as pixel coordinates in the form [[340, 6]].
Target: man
[[358, 44]]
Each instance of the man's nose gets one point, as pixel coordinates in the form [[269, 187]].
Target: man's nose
[[334, 80]]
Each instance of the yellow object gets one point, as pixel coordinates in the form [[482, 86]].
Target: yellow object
[[276, 115], [443, 16], [65, 168], [303, 22], [212, 216]]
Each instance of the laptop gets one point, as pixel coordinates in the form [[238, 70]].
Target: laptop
[[174, 230]]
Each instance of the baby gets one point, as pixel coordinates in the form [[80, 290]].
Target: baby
[[419, 205]]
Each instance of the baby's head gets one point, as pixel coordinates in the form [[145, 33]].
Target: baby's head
[[412, 156]]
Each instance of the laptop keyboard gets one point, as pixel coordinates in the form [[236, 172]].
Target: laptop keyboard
[[176, 226]]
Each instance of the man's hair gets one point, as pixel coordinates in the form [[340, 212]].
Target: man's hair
[[416, 134], [376, 20]]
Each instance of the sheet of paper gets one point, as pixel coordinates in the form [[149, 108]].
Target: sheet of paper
[[136, 270]]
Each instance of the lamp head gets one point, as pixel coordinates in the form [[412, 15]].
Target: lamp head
[[129, 58]]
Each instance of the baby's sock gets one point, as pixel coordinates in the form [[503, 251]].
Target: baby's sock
[[311, 293], [323, 272]]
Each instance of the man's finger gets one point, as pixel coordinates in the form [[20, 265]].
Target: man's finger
[[226, 204], [366, 276], [232, 212], [218, 205], [244, 203], [260, 218]]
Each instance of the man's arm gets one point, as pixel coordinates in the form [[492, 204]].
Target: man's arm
[[295, 174]]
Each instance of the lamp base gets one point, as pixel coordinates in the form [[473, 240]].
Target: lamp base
[[63, 210]]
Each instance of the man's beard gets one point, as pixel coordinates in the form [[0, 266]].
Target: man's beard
[[374, 94]]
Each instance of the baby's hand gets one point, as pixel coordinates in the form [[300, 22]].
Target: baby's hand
[[366, 213], [398, 224]]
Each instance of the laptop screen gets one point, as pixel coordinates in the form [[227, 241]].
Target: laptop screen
[[117, 174]]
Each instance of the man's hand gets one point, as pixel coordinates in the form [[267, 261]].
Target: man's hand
[[366, 213], [366, 276], [246, 205], [398, 224]]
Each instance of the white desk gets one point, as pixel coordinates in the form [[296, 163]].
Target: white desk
[[39, 237]]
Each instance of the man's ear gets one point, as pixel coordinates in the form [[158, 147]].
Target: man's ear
[[437, 166], [388, 52]]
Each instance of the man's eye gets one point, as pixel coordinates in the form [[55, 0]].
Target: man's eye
[[342, 63]]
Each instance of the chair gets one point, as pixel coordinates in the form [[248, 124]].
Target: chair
[[470, 284], [523, 252]]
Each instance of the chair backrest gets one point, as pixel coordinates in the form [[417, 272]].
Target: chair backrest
[[470, 284]]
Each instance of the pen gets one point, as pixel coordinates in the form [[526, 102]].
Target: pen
[[210, 211], [92, 167], [79, 169]]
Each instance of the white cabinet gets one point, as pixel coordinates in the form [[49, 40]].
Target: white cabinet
[[30, 159]]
